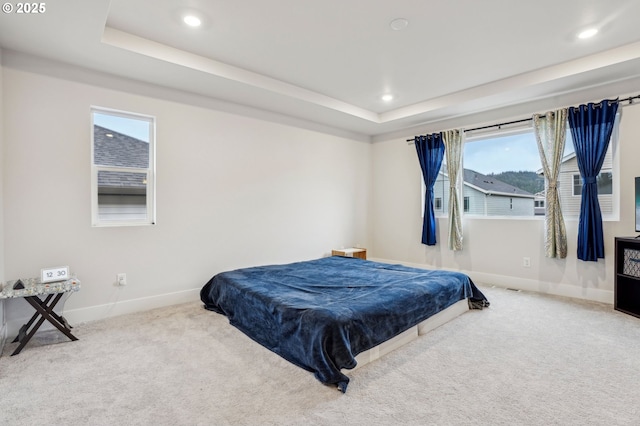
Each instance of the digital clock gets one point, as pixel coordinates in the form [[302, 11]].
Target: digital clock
[[48, 275]]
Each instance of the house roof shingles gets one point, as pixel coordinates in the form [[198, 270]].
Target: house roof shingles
[[491, 185], [119, 150]]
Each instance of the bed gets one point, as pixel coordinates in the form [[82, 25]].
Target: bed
[[321, 314]]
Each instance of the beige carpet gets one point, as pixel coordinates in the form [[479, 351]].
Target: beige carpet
[[527, 360]]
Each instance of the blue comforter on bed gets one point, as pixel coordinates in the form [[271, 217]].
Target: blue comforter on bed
[[320, 314]]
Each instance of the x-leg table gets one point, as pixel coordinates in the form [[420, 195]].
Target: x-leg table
[[43, 298], [44, 311]]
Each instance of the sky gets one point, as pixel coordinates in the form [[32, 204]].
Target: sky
[[138, 129], [507, 153]]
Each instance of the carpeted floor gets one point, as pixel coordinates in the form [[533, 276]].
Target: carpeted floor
[[529, 359]]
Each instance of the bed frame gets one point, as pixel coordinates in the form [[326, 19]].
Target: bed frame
[[412, 334]]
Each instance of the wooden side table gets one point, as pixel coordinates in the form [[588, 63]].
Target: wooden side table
[[360, 253]]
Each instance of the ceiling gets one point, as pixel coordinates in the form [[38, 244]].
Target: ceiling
[[330, 61]]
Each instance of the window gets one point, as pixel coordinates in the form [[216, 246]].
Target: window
[[502, 176], [438, 203], [603, 180], [122, 170], [503, 173]]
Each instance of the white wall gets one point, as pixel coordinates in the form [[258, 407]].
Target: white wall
[[232, 191], [494, 249], [238, 188], [2, 167]]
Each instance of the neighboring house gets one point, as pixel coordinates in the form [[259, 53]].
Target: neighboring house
[[484, 195], [539, 203], [570, 185], [121, 195]]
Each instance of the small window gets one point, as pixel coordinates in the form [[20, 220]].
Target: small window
[[437, 204], [577, 185], [466, 204], [604, 182], [123, 175]]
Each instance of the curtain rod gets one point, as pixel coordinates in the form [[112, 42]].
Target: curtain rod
[[498, 125]]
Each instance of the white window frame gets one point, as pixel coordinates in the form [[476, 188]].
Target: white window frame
[[614, 216], [150, 172]]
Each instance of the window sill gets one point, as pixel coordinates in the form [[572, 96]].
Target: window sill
[[120, 224]]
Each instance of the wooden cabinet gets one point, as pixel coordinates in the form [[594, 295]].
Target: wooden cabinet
[[360, 253], [627, 279]]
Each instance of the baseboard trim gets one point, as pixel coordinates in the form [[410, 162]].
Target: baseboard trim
[[3, 327], [556, 289], [3, 337], [108, 310]]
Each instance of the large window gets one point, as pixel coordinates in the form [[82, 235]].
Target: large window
[[502, 176], [123, 175]]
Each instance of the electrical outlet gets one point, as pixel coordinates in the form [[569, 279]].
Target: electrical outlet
[[526, 262], [121, 279]]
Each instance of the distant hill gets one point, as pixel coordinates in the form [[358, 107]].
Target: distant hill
[[527, 181]]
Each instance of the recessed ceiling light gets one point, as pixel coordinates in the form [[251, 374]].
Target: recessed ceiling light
[[588, 33], [192, 21], [388, 97], [399, 24]]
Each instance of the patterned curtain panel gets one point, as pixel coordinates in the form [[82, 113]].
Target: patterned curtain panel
[[550, 130], [430, 149], [453, 148], [591, 127]]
